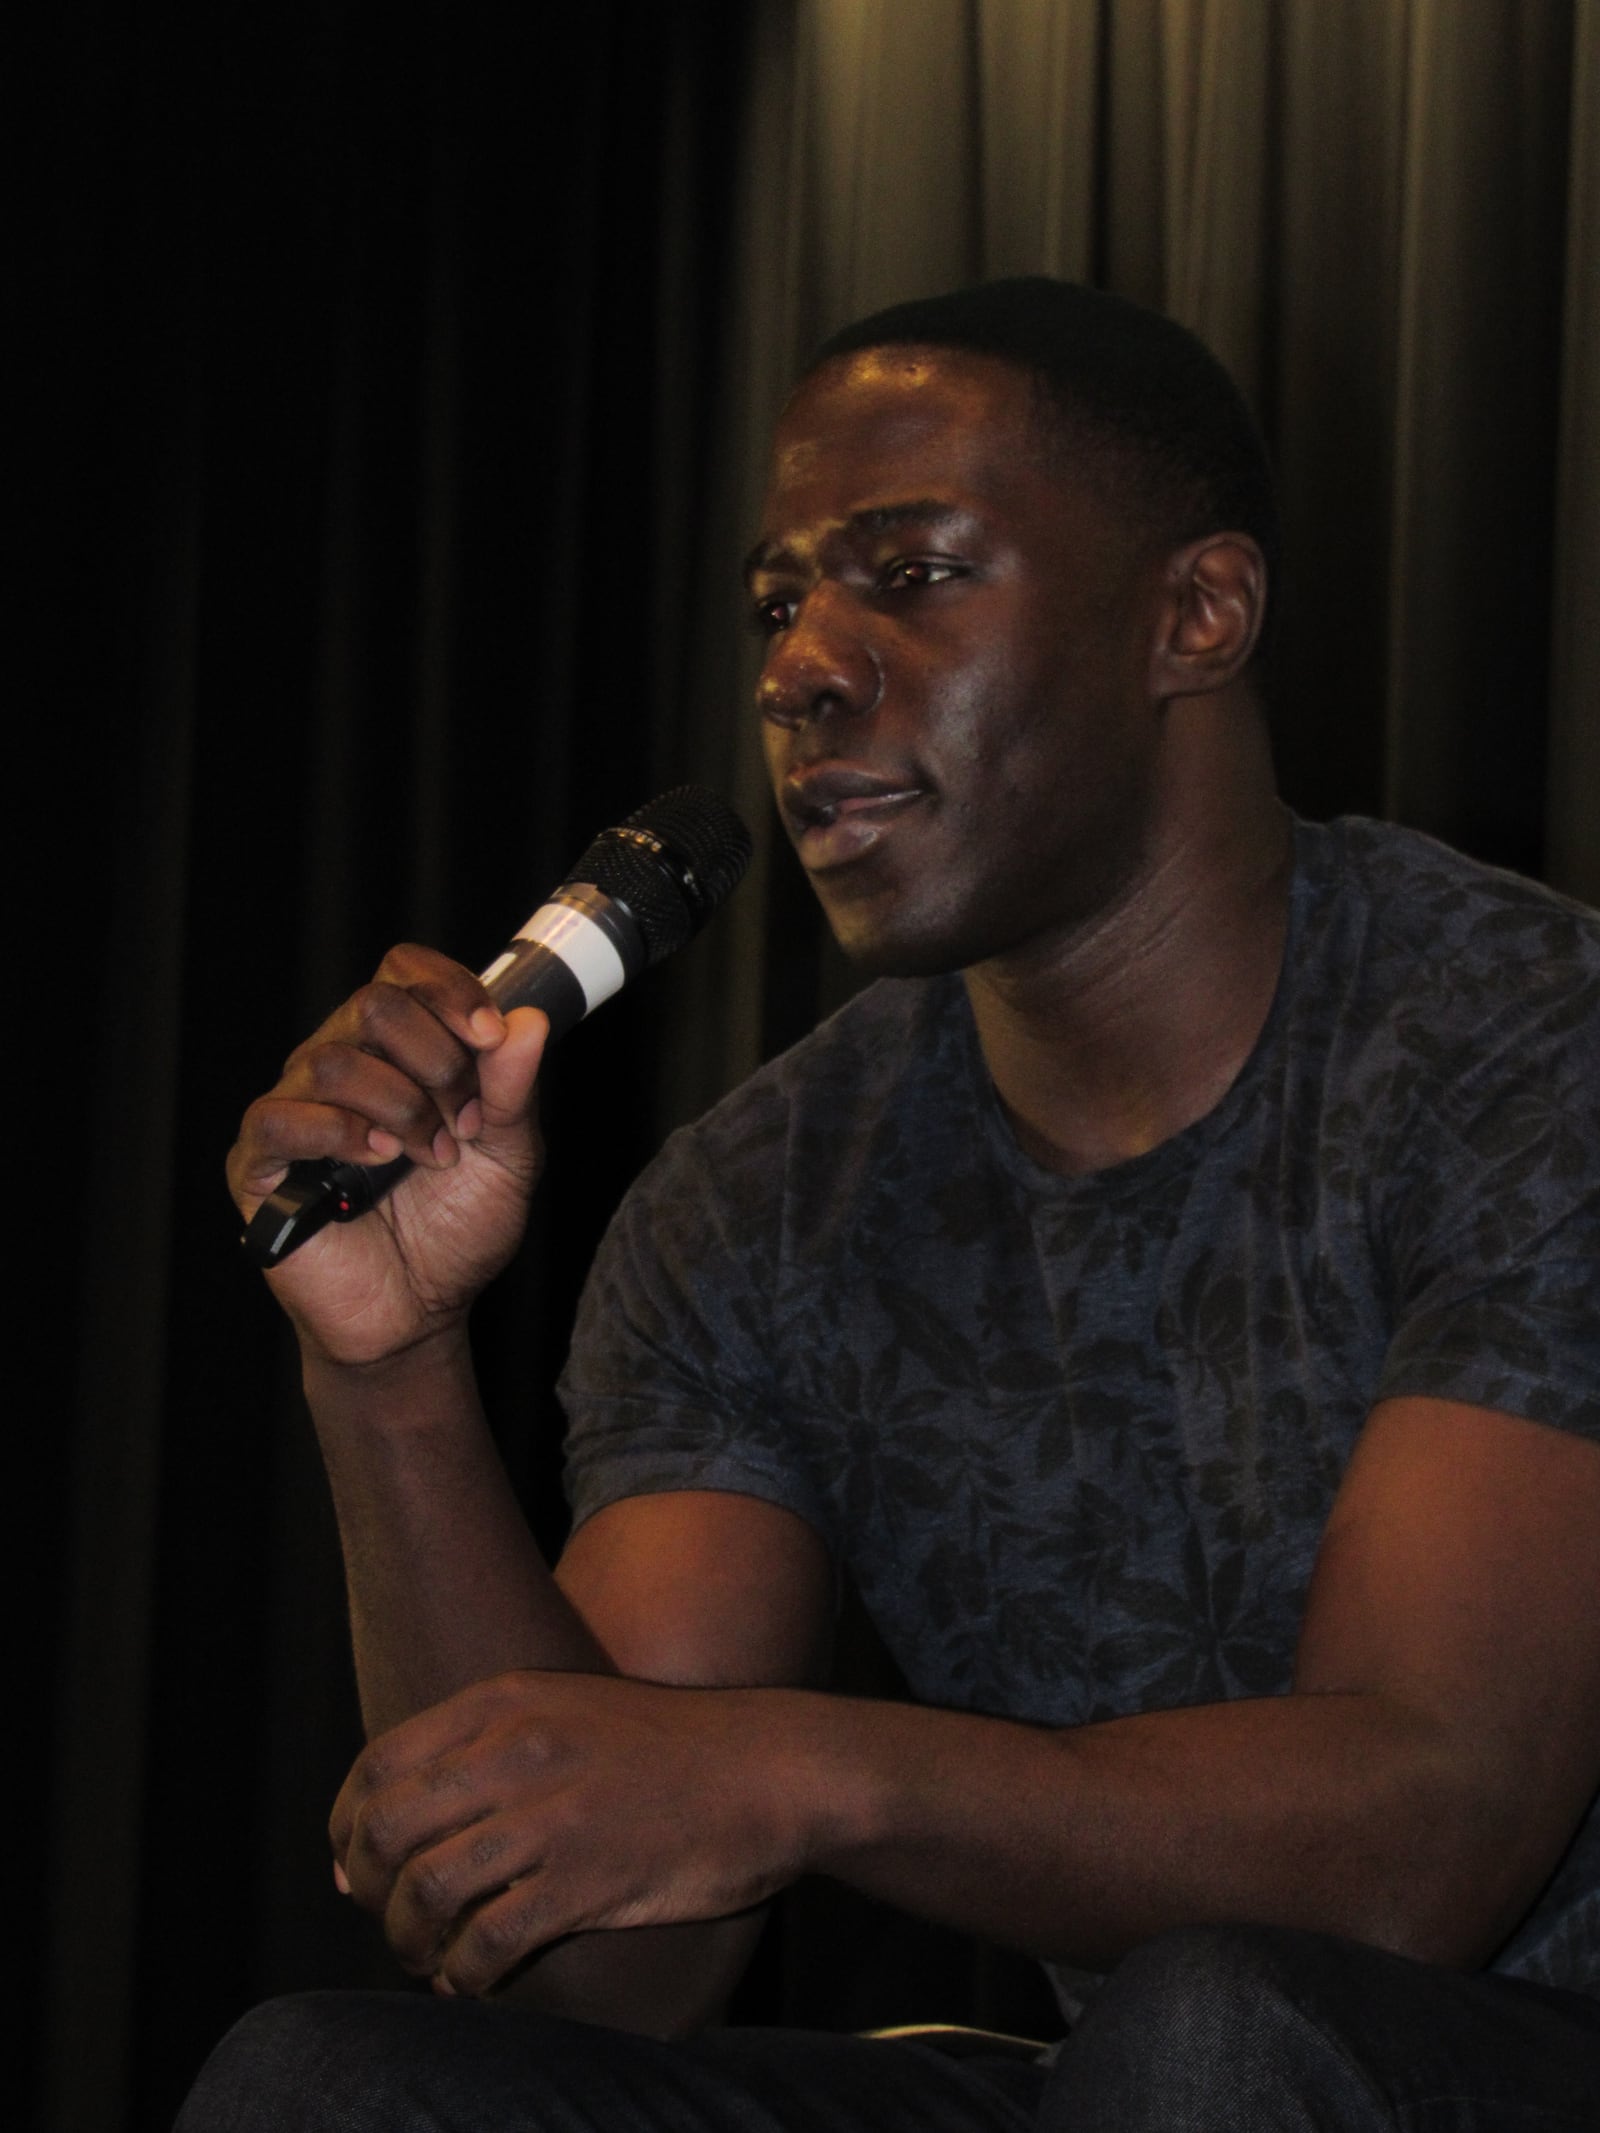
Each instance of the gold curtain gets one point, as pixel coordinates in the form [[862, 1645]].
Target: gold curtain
[[1574, 814]]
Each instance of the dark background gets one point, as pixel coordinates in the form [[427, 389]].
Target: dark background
[[380, 366]]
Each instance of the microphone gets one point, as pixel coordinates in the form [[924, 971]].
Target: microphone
[[639, 892]]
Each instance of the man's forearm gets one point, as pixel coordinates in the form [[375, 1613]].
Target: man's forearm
[[614, 1803], [447, 1588], [445, 1584], [1345, 1814]]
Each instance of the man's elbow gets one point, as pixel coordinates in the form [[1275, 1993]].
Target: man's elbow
[[1472, 1873]]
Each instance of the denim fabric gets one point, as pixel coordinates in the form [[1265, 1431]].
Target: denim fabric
[[1261, 2030], [368, 2062], [1216, 2030]]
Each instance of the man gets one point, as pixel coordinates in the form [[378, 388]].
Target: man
[[1172, 1298]]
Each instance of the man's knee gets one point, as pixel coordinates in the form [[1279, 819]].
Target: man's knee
[[367, 2062], [377, 2062], [1209, 2027], [272, 2066]]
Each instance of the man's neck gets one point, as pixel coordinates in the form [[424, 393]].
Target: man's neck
[[1117, 1039]]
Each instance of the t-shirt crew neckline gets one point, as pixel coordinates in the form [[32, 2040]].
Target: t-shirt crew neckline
[[1170, 1157]]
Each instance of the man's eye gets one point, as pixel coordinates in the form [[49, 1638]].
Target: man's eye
[[917, 571]]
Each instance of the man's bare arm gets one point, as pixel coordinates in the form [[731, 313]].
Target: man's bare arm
[[1415, 1789], [445, 1584], [447, 1590]]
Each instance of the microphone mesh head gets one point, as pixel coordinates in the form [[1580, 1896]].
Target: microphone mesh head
[[673, 863]]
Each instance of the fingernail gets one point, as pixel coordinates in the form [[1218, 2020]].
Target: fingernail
[[382, 1142], [341, 1880], [487, 1025], [469, 1122], [445, 1152], [443, 1986]]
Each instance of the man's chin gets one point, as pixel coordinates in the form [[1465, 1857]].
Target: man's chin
[[881, 952]]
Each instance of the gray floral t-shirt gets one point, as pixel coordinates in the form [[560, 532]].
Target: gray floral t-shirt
[[1076, 1439]]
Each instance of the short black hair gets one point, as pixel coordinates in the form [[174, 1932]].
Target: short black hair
[[1166, 429]]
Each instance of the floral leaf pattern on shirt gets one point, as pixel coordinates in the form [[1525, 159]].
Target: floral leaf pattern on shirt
[[1077, 1439]]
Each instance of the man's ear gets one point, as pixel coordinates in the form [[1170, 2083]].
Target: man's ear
[[1214, 598]]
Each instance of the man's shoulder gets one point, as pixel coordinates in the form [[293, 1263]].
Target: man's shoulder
[[1431, 941], [1441, 1015], [1417, 891]]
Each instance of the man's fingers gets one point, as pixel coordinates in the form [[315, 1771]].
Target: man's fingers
[[420, 1749], [382, 1078], [533, 1879], [394, 1070], [397, 1029], [506, 1076], [412, 1109], [499, 1934], [276, 1132], [502, 1933], [438, 1889], [403, 1821], [447, 990]]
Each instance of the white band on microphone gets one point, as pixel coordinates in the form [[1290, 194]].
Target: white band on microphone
[[583, 946]]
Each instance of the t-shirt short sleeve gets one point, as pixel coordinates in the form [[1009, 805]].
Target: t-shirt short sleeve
[[1494, 1231], [670, 1381]]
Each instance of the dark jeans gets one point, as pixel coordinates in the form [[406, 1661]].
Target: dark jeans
[[1214, 2030]]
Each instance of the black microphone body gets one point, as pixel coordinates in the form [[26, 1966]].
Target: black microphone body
[[639, 892]]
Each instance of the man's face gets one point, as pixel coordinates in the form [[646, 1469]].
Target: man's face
[[955, 687]]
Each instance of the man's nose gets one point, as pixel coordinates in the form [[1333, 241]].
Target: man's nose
[[819, 665]]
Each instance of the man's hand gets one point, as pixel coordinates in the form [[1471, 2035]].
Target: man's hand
[[537, 1805], [420, 1062]]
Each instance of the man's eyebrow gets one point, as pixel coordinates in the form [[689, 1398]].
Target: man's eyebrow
[[876, 518], [926, 509]]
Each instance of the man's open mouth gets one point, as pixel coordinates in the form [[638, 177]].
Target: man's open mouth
[[836, 813]]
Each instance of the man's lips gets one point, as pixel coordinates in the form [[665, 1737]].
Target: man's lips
[[838, 811]]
